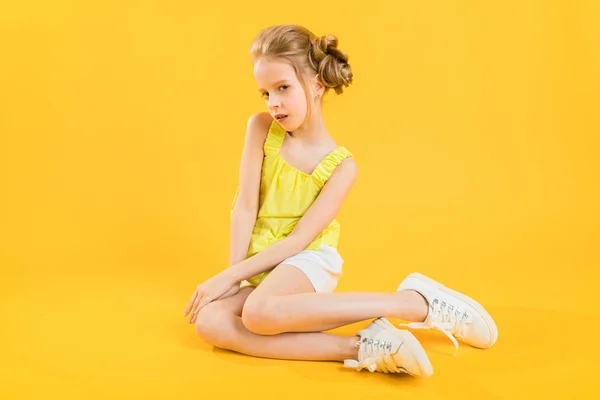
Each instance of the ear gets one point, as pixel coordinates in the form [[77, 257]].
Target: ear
[[319, 88]]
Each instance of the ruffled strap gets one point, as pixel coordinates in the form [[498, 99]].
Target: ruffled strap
[[330, 163], [274, 138]]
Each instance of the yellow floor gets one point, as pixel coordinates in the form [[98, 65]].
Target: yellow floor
[[475, 128], [112, 331]]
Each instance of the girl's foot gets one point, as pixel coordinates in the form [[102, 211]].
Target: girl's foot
[[385, 348], [452, 313]]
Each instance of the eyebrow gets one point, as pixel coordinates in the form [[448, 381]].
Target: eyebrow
[[276, 83]]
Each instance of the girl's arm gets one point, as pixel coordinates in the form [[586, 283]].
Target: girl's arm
[[245, 208], [313, 222]]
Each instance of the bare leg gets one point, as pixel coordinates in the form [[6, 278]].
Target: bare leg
[[285, 302], [220, 324], [311, 312]]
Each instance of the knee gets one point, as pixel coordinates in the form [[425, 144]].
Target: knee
[[262, 315], [216, 325]]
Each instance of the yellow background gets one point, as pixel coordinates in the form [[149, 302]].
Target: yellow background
[[474, 126]]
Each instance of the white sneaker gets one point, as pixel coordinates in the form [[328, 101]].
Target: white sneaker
[[385, 348], [452, 313]]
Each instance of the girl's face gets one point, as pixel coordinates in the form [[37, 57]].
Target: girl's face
[[283, 93]]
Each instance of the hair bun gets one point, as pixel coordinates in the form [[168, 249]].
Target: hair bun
[[326, 42], [330, 62]]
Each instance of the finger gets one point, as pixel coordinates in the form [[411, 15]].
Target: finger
[[205, 300], [199, 307], [188, 308], [195, 307], [195, 315], [192, 300]]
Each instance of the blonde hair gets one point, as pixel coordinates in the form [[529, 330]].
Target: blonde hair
[[307, 54]]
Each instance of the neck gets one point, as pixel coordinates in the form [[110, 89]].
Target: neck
[[311, 130]]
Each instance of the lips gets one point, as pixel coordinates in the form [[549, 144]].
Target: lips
[[280, 116]]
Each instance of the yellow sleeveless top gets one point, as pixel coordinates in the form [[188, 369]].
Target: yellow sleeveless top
[[286, 193]]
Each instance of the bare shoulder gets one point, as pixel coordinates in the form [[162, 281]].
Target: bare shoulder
[[258, 126], [346, 170], [343, 177]]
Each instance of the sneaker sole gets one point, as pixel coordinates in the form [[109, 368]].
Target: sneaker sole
[[475, 305], [417, 349]]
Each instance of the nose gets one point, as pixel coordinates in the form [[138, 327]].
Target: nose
[[273, 103]]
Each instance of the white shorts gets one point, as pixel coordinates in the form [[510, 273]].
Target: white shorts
[[323, 267]]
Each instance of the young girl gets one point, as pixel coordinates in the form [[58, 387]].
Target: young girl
[[276, 297]]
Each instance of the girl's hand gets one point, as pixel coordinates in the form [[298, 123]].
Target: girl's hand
[[217, 287]]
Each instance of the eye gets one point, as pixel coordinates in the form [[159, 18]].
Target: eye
[[266, 94]]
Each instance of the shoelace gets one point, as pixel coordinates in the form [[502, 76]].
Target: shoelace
[[447, 319], [375, 356]]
